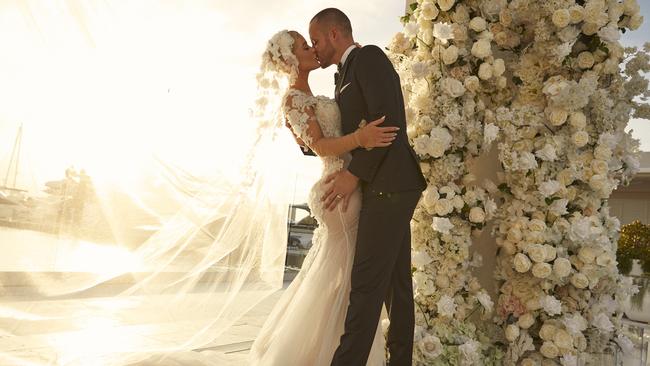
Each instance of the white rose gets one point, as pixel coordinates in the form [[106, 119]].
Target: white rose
[[472, 83], [499, 67], [439, 141], [576, 13], [602, 153], [430, 197], [547, 153], [587, 255], [446, 306], [442, 281], [562, 267], [549, 188], [528, 362], [605, 260], [549, 350], [565, 177], [478, 24], [579, 280], [453, 87], [585, 60], [590, 28], [450, 55], [512, 332], [599, 166], [537, 253], [547, 332], [580, 138], [563, 339], [476, 215], [429, 11], [551, 252], [561, 18], [443, 207], [482, 48], [526, 321], [445, 5], [550, 304], [502, 82], [598, 182], [558, 116], [400, 43], [578, 120], [485, 71], [430, 346], [420, 259], [522, 263], [542, 270]]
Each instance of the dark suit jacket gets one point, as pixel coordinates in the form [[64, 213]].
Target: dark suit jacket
[[368, 88]]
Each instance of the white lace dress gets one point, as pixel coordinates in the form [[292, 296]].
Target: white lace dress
[[306, 324]]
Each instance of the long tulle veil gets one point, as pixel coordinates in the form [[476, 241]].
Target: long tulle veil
[[147, 275]]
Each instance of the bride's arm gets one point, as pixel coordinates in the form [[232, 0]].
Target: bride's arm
[[305, 128]]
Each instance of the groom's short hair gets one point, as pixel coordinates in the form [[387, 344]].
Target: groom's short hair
[[335, 17]]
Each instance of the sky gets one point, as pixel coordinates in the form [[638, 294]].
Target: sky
[[100, 84]]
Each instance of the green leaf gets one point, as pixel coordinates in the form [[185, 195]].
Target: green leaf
[[517, 80], [503, 187], [550, 200], [413, 6]]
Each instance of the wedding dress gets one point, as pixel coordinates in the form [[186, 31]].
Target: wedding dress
[[306, 324]]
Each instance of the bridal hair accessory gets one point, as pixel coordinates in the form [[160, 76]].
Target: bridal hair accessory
[[279, 57]]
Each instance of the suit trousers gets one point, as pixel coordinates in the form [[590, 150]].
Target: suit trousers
[[381, 273]]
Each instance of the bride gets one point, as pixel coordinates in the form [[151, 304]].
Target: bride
[[306, 324]]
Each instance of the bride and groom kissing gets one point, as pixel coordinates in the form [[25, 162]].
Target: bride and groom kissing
[[364, 201]]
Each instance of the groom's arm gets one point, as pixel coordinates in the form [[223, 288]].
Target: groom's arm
[[375, 74]]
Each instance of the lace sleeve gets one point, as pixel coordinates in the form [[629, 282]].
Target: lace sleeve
[[299, 110]]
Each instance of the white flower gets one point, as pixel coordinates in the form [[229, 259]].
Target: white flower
[[421, 258], [470, 351], [490, 133], [549, 350], [399, 43], [542, 270], [599, 166], [442, 225], [482, 48], [602, 322], [605, 260], [472, 83], [527, 161], [578, 120], [445, 5], [439, 142], [575, 324], [547, 153], [444, 207], [580, 138], [569, 360], [419, 70], [526, 321], [528, 362], [577, 14], [485, 71], [443, 31], [610, 33], [453, 87], [430, 346], [579, 280], [549, 188], [446, 306], [563, 339], [499, 67], [485, 301], [585, 60], [421, 144], [512, 332], [521, 263], [558, 116], [411, 29], [547, 332], [561, 18], [430, 197], [559, 207], [537, 253], [478, 24], [551, 305], [476, 215], [450, 55], [429, 11], [600, 183], [562, 267]]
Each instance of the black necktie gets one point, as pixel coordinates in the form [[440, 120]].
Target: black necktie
[[337, 73]]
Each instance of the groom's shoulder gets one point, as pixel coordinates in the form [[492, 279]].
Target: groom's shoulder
[[371, 51]]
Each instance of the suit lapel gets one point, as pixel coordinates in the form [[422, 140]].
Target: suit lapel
[[344, 72]]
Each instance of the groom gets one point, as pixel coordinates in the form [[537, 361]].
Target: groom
[[367, 88]]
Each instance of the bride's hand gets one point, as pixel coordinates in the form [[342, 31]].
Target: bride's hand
[[371, 135]]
